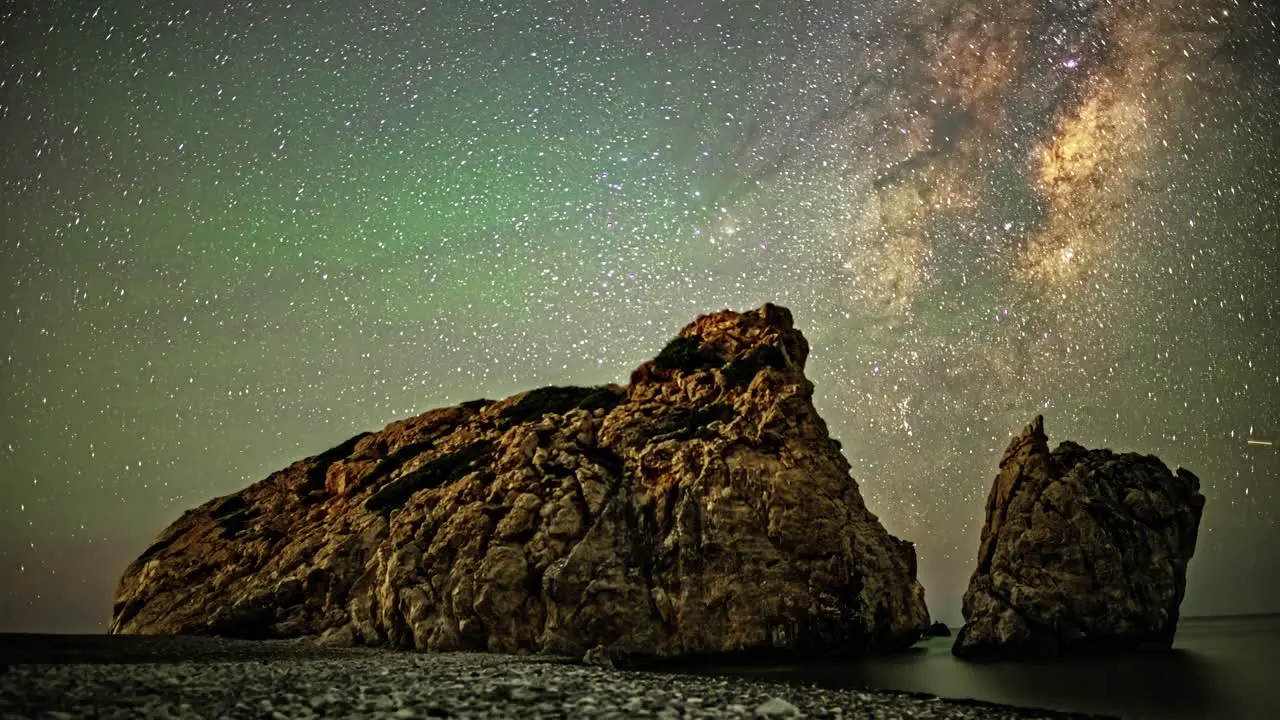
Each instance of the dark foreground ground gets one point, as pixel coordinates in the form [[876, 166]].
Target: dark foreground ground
[[79, 676]]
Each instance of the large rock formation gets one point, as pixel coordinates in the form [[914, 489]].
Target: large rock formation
[[701, 509], [1082, 551]]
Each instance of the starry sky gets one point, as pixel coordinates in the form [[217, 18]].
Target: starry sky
[[234, 234]]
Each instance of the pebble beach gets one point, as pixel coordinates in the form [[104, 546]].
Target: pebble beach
[[162, 678]]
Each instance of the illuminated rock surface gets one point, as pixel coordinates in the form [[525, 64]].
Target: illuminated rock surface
[[1082, 551], [703, 508]]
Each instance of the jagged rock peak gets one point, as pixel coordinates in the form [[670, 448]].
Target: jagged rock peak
[[701, 509], [1081, 551], [737, 342]]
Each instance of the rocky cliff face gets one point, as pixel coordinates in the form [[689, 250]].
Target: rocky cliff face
[[1082, 551], [703, 508]]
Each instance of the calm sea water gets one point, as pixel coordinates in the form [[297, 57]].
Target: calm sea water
[[1220, 668]]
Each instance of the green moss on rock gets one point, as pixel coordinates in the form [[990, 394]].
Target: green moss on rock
[[684, 354], [559, 400], [687, 425], [232, 525], [744, 369], [439, 472]]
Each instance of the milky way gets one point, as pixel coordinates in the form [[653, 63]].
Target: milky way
[[233, 235]]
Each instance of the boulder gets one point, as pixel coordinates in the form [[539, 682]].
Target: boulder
[[938, 629], [701, 509], [1082, 551]]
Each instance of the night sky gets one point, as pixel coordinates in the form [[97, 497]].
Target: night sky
[[233, 235]]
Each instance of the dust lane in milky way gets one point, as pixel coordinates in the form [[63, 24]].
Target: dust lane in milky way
[[234, 234]]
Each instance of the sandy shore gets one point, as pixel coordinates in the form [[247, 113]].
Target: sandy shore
[[60, 677]]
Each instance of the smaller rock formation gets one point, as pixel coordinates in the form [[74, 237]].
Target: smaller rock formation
[[1082, 551], [938, 629]]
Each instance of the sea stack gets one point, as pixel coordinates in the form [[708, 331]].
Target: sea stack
[[701, 509], [1082, 551]]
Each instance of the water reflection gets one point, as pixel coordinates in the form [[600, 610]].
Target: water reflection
[[1220, 667]]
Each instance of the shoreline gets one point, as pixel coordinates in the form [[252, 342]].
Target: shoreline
[[188, 677]]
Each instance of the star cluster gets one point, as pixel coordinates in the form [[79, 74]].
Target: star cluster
[[233, 234]]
